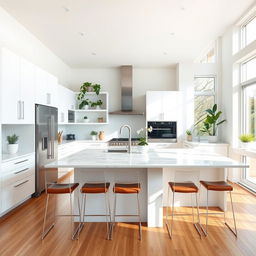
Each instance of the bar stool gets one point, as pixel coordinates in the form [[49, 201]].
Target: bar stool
[[96, 188], [182, 187], [126, 189], [220, 186], [57, 189]]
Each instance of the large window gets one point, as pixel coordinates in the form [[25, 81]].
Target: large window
[[204, 97], [249, 32], [248, 69]]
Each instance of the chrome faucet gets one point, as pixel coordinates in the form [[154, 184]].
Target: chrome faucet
[[130, 134]]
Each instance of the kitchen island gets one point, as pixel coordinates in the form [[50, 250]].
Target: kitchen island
[[97, 165]]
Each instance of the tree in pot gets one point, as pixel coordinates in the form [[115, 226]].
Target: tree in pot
[[12, 144], [94, 135], [211, 123], [96, 104], [143, 142]]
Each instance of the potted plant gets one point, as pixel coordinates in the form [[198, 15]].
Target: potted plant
[[211, 123], [12, 144], [84, 104], [94, 135], [246, 139], [96, 88], [85, 87], [86, 119], [97, 104], [143, 143], [189, 135]]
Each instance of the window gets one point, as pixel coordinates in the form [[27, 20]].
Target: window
[[248, 69], [204, 97], [249, 32]]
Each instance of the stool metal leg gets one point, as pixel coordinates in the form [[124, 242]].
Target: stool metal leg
[[198, 217], [45, 232], [108, 215], [76, 231], [234, 219], [114, 216], [140, 232], [167, 212], [173, 193]]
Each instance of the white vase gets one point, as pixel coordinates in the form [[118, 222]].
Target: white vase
[[86, 120], [212, 139], [12, 148], [98, 107], [94, 137], [86, 107], [245, 145], [143, 149], [189, 137]]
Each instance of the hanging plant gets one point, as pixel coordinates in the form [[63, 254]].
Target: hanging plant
[[96, 88], [85, 87]]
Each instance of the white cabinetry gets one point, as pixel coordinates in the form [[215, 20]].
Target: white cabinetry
[[46, 88], [17, 181], [17, 89], [162, 105]]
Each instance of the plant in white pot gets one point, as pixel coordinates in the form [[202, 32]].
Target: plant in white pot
[[97, 104], [84, 104], [86, 119], [143, 142], [189, 135], [12, 146], [246, 140], [94, 135], [211, 123]]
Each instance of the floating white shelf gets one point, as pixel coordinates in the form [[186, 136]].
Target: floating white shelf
[[89, 110], [83, 123]]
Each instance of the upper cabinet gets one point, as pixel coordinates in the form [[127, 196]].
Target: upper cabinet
[[46, 88], [17, 89], [163, 105]]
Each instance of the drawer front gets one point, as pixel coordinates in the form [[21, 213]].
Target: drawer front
[[16, 192], [16, 175], [18, 163]]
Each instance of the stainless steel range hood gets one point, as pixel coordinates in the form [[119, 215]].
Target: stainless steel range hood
[[126, 93]]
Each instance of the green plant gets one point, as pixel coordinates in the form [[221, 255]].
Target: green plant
[[94, 133], [12, 139], [96, 88], [83, 90], [188, 132], [97, 103], [143, 136], [84, 103], [211, 123], [247, 137]]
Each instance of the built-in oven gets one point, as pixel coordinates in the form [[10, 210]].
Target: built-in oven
[[163, 131]]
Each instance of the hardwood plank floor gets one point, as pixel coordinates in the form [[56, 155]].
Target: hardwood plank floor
[[20, 233]]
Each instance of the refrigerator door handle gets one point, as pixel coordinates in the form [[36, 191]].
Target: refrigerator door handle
[[52, 137], [49, 144]]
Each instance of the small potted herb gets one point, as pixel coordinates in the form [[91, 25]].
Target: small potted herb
[[96, 88], [96, 104], [94, 135], [246, 140], [86, 119], [143, 143], [84, 104], [12, 144], [189, 135]]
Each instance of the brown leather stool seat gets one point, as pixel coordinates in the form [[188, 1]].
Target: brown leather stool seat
[[121, 188], [95, 188], [216, 185], [59, 188], [183, 187]]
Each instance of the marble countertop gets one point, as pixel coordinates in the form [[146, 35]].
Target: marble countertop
[[154, 158]]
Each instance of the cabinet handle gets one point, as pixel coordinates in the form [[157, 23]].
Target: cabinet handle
[[21, 171], [21, 161], [18, 110], [21, 183], [23, 110]]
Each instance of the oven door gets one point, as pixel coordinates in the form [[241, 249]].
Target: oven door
[[163, 130]]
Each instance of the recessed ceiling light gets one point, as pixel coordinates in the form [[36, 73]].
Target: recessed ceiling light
[[81, 33], [182, 8], [66, 9], [164, 53], [172, 34], [93, 53]]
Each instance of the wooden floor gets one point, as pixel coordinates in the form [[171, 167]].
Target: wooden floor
[[20, 234]]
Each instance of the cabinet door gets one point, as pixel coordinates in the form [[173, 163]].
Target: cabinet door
[[41, 86], [154, 106], [171, 106], [27, 91], [10, 102]]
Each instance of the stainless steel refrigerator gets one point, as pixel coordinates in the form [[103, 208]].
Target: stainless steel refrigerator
[[46, 130]]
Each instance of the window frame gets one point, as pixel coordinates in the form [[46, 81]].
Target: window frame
[[243, 35], [214, 93]]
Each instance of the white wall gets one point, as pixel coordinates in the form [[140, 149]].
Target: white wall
[[18, 39]]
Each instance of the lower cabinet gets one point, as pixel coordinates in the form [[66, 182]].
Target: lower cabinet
[[17, 182]]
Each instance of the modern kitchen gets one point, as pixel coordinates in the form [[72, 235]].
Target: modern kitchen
[[127, 128]]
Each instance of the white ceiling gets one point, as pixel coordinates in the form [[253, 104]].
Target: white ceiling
[[144, 33]]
